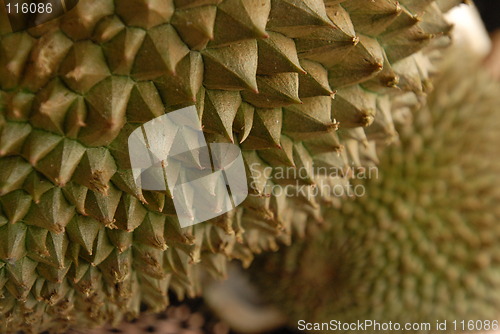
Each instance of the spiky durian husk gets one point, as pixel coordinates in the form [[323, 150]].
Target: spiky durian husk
[[80, 242], [421, 245]]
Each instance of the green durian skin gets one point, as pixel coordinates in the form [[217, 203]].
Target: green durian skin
[[422, 244], [80, 243]]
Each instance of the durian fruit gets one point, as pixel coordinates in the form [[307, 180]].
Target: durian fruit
[[422, 244], [80, 243]]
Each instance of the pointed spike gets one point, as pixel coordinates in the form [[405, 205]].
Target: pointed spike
[[182, 89], [95, 169], [275, 91], [279, 156], [51, 106], [76, 194], [240, 20], [277, 54], [148, 260], [83, 231], [103, 207], [22, 277], [363, 63], [354, 107], [39, 144], [61, 162], [309, 119], [315, 81], [195, 25], [101, 250], [12, 137], [220, 108], [53, 274], [151, 231], [266, 129], [233, 67], [52, 213], [122, 49], [36, 242], [107, 103], [159, 54], [122, 240], [16, 205], [13, 172], [12, 247], [84, 66], [129, 214], [145, 103], [146, 13], [294, 18], [243, 121]]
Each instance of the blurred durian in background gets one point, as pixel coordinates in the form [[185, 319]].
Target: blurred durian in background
[[422, 244]]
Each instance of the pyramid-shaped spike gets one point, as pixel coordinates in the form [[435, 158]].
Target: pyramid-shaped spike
[[295, 18], [38, 144], [121, 51], [145, 103], [36, 242], [309, 119], [159, 54], [121, 240], [15, 48], [75, 118], [266, 129], [95, 169], [219, 112], [129, 213], [48, 53], [279, 156], [243, 121], [315, 81], [107, 103], [101, 250], [354, 107], [232, 67], [80, 22], [103, 207], [83, 231], [274, 91], [146, 13], [83, 67], [12, 137], [16, 205], [22, 277], [149, 260], [59, 165], [57, 245], [76, 194], [12, 247], [117, 266], [183, 87], [20, 105], [195, 25], [53, 212], [107, 28], [151, 231], [13, 172], [364, 62], [239, 20], [373, 18]]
